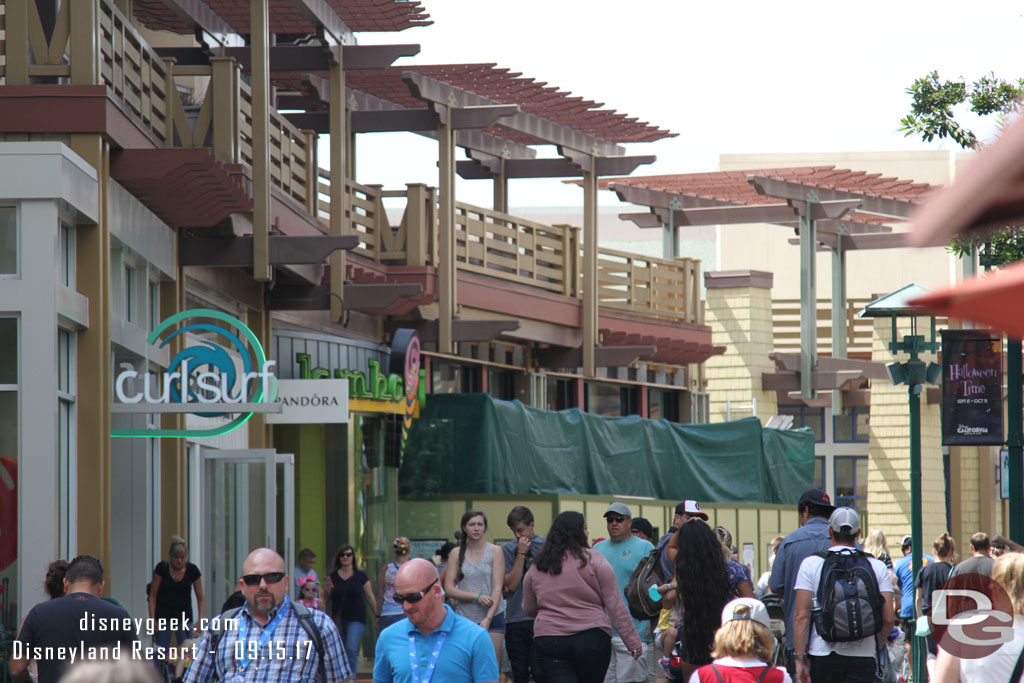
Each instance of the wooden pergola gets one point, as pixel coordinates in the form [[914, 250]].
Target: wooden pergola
[[832, 209]]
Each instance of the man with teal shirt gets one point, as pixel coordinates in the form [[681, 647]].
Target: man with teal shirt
[[624, 552], [432, 643]]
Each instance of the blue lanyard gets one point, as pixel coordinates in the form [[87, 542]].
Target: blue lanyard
[[413, 659], [243, 632]]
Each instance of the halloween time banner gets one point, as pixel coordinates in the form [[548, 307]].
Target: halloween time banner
[[972, 388]]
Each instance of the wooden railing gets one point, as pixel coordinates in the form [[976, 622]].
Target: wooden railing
[[500, 245], [293, 166], [642, 284], [510, 248], [132, 70]]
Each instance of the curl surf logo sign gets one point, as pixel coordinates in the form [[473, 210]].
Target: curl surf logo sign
[[230, 378]]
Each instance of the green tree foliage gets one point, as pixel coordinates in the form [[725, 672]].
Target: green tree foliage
[[931, 116]]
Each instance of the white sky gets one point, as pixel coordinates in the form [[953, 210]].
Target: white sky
[[728, 76]]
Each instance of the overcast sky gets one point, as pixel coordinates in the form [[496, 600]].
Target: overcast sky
[[729, 77]]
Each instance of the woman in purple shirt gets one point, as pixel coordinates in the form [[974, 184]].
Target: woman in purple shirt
[[568, 588]]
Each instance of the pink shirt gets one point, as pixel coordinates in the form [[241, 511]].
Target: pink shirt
[[577, 599]]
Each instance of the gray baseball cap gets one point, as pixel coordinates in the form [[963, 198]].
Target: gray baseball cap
[[618, 509]]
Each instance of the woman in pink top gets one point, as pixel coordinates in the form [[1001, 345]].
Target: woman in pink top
[[568, 588]]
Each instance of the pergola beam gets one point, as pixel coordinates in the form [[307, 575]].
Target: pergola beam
[[364, 103], [237, 251], [297, 58], [198, 14], [783, 189], [874, 240], [481, 169], [322, 15], [437, 92]]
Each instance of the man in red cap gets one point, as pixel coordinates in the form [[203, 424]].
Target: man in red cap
[[814, 508]]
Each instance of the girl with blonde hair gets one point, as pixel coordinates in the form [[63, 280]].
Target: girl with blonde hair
[[744, 646]]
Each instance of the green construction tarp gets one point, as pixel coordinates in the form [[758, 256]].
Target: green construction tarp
[[473, 443]]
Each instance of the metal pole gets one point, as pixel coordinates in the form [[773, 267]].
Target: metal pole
[[1015, 438], [920, 672], [808, 302]]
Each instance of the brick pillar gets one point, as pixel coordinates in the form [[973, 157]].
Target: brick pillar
[[889, 451], [739, 312]]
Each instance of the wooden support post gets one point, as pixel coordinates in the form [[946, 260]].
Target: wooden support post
[[446, 227], [85, 42], [226, 113], [591, 286], [839, 318], [501, 189], [92, 254], [260, 47], [16, 25], [174, 483], [339, 182], [312, 173], [808, 299], [417, 230]]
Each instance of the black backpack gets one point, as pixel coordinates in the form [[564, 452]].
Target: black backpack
[[637, 591], [305, 621], [848, 604]]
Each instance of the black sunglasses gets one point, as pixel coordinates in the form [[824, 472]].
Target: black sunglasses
[[269, 577], [617, 520], [413, 598], [347, 553]]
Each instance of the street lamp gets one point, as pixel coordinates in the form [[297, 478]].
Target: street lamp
[[914, 373]]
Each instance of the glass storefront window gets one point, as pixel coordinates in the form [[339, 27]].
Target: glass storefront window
[[8, 351], [453, 378], [561, 393], [8, 240], [603, 399], [851, 425], [806, 416], [663, 405], [851, 477], [8, 466], [819, 472]]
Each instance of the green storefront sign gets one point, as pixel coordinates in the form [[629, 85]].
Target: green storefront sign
[[376, 386]]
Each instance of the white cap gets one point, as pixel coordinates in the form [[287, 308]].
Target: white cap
[[755, 611], [844, 521]]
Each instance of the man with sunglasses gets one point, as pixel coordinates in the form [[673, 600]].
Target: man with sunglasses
[[275, 638], [432, 642], [624, 552]]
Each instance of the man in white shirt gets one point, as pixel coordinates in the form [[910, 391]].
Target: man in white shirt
[[837, 662]]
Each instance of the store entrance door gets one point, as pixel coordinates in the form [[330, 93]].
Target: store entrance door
[[246, 500]]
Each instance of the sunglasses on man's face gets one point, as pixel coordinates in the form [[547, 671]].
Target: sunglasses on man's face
[[413, 598], [269, 577], [616, 520]]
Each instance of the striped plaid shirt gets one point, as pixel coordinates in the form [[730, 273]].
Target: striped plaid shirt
[[289, 655]]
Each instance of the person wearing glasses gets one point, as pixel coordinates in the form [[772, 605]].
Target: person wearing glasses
[[432, 642], [346, 594], [270, 644], [389, 610], [624, 552]]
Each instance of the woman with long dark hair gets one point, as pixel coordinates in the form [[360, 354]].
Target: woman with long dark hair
[[572, 591], [346, 593], [706, 582], [475, 577]]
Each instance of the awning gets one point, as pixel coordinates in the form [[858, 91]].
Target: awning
[[993, 300]]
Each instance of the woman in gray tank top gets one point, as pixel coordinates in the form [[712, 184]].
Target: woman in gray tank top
[[476, 572]]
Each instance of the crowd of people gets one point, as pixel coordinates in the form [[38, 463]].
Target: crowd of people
[[554, 609]]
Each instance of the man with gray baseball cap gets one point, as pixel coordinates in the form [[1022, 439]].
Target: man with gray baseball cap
[[624, 552], [851, 661]]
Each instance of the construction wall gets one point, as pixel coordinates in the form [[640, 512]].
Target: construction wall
[[436, 519]]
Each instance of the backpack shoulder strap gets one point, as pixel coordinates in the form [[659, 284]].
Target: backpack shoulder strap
[[309, 626], [764, 674], [717, 674], [217, 633]]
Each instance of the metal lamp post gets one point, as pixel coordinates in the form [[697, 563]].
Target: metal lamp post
[[914, 373]]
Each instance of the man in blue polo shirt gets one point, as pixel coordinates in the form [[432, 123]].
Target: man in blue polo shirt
[[432, 642]]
